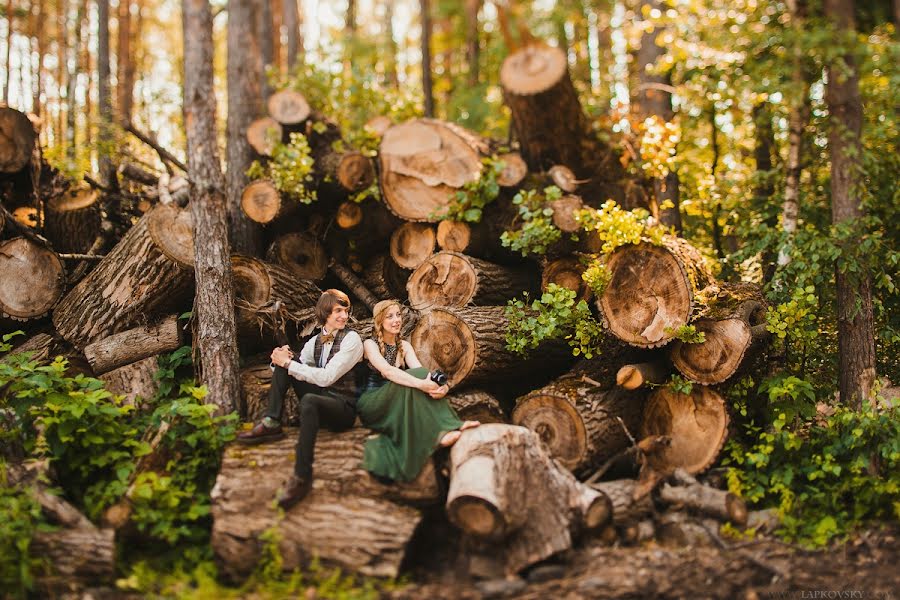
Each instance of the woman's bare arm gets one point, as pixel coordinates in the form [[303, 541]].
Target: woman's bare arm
[[392, 373], [412, 361]]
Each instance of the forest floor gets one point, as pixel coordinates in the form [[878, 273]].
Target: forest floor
[[867, 566]]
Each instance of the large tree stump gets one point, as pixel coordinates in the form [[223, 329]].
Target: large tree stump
[[412, 244], [72, 220], [734, 325], [148, 271], [385, 278], [349, 518], [423, 163], [32, 279], [697, 425], [135, 380], [476, 405], [469, 345], [270, 300], [453, 279], [301, 254], [17, 140], [578, 420], [133, 345], [653, 291], [504, 488]]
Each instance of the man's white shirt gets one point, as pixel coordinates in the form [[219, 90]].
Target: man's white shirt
[[305, 369]]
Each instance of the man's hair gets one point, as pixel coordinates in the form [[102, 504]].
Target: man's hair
[[327, 301]]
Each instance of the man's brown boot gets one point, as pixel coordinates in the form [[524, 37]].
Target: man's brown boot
[[294, 491], [260, 434]]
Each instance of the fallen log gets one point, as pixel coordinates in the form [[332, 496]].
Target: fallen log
[[301, 254], [514, 169], [457, 236], [581, 423], [349, 518], [386, 279], [263, 134], [288, 107], [18, 137], [697, 425], [476, 405], [148, 271], [133, 345], [453, 279], [646, 310], [256, 380], [412, 244], [566, 272], [261, 201], [423, 162], [135, 380], [505, 489], [694, 495], [626, 508], [469, 345], [734, 326], [633, 376], [72, 220], [32, 279]]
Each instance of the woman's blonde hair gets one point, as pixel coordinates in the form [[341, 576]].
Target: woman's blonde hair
[[379, 312]]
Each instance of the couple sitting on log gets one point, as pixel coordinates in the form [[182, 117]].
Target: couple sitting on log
[[399, 400]]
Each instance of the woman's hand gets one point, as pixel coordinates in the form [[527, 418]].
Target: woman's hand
[[440, 392], [428, 386]]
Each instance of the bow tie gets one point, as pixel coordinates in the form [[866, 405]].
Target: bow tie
[[327, 337]]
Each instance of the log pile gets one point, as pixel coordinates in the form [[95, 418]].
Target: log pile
[[513, 493]]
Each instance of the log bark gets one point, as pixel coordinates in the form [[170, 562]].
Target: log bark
[[149, 270], [412, 244], [454, 279], [469, 238], [704, 499], [133, 345], [256, 380], [135, 380], [32, 279], [697, 425], [386, 279], [514, 169], [626, 509], [734, 326], [647, 310], [423, 163], [633, 376], [262, 202], [578, 420], [301, 254], [504, 488], [476, 405], [349, 518], [18, 140], [72, 221], [566, 272], [270, 300], [469, 345]]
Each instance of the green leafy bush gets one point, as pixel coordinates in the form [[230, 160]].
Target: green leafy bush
[[469, 202], [20, 519], [537, 232], [617, 227], [290, 169]]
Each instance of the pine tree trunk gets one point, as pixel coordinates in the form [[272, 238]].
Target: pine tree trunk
[[454, 279], [292, 25], [125, 63], [856, 329], [104, 97], [566, 272], [215, 288], [472, 7], [244, 70], [265, 36], [427, 86]]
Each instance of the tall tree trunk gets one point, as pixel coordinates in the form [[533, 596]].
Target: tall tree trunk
[[62, 51], [292, 25], [265, 44], [762, 153], [72, 80], [107, 169], [653, 99], [124, 63], [9, 39], [40, 41], [86, 67], [856, 330], [427, 87], [472, 8], [390, 68], [212, 265], [714, 165], [244, 105]]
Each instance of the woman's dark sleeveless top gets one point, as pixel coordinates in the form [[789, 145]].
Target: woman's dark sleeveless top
[[375, 378]]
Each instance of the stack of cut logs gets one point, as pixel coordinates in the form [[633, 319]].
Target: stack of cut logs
[[513, 491]]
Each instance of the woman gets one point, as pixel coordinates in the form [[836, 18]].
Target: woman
[[402, 403]]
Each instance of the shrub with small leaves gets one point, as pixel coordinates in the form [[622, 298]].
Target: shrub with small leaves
[[20, 518], [290, 169], [469, 202], [537, 232], [687, 334], [680, 385], [597, 275], [617, 227]]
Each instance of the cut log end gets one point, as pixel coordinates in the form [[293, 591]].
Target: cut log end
[[454, 236], [564, 211], [697, 425], [349, 215], [514, 169], [557, 423], [32, 279], [477, 517], [74, 199], [444, 341], [716, 358], [564, 178], [172, 230], [288, 107], [412, 244], [355, 171], [378, 125], [261, 201], [566, 272], [444, 279], [18, 137], [263, 134], [533, 69], [301, 254], [633, 376]]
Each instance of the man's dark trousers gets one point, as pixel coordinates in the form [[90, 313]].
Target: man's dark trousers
[[318, 406]]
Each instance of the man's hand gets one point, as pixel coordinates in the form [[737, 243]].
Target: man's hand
[[281, 356], [439, 392]]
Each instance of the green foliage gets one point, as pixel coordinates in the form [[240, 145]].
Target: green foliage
[[680, 385], [597, 276], [469, 202], [687, 334], [290, 169], [537, 231], [555, 316], [617, 227], [827, 477], [20, 519]]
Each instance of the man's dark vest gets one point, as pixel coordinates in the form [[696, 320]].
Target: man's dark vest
[[348, 383]]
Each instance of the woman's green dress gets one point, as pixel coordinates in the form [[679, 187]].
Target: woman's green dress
[[410, 422]]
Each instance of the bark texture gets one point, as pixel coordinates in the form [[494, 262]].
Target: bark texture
[[133, 345]]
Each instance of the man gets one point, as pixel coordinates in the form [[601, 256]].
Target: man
[[325, 361]]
